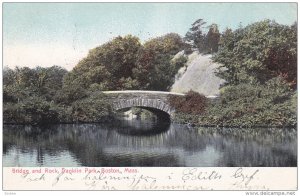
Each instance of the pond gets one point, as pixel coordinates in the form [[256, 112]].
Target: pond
[[144, 143]]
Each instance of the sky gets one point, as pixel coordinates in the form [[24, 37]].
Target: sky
[[46, 34]]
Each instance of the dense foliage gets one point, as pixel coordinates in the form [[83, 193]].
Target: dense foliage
[[156, 68], [28, 94], [258, 64], [124, 63], [257, 53], [38, 96], [271, 104], [192, 103], [108, 66]]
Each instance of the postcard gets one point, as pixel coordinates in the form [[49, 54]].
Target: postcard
[[150, 96]]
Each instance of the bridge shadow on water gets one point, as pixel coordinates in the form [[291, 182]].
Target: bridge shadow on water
[[142, 127]]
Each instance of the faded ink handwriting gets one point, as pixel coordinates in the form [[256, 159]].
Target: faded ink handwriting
[[133, 181], [62, 177], [243, 177], [33, 178], [185, 179], [196, 174]]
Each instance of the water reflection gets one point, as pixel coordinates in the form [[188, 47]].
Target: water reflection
[[142, 143], [140, 127]]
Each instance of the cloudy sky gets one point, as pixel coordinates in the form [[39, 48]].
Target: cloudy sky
[[46, 34]]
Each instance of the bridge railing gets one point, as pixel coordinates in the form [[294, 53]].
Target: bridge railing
[[142, 91], [152, 92]]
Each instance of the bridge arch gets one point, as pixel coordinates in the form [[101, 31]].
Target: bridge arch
[[151, 100], [143, 103]]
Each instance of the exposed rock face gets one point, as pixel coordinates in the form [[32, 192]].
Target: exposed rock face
[[199, 76]]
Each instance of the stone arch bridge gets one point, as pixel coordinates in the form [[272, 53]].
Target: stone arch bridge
[[155, 101]]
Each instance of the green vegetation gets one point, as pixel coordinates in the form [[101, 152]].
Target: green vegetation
[[53, 95], [28, 94], [124, 64], [108, 66], [271, 104], [156, 68], [38, 96], [258, 53], [258, 64], [192, 103], [198, 38]]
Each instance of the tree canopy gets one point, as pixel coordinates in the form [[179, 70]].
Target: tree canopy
[[108, 66], [124, 63], [156, 68], [257, 53]]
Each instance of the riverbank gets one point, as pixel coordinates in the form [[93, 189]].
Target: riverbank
[[193, 121], [202, 121]]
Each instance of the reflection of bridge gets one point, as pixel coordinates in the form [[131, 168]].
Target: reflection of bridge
[[155, 101]]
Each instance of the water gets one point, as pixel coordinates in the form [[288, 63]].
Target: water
[[146, 143]]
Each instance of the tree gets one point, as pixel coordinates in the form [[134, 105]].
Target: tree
[[212, 39], [196, 35], [107, 64], [226, 55], [49, 80], [25, 77], [124, 63], [155, 69], [201, 39], [8, 76], [29, 94], [19, 84], [257, 53]]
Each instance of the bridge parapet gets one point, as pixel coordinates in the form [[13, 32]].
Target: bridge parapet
[[148, 93]]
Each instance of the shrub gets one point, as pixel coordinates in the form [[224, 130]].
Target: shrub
[[91, 109], [33, 110], [191, 103], [272, 104]]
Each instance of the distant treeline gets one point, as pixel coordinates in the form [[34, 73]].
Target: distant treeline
[[259, 65]]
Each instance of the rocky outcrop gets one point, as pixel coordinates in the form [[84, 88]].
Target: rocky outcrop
[[198, 75]]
